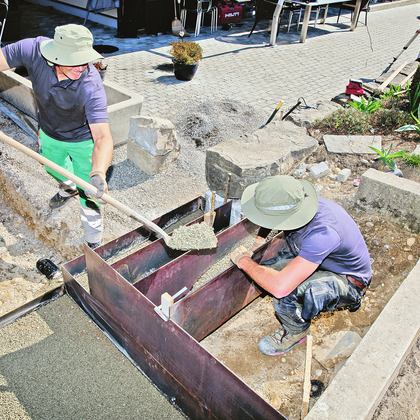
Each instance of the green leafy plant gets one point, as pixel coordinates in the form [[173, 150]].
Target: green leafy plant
[[414, 92], [186, 52], [412, 127], [392, 91], [345, 120], [368, 106], [386, 157], [411, 160]]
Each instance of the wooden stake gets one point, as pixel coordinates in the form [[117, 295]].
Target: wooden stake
[[391, 77], [307, 379]]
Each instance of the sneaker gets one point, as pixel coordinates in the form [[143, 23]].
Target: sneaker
[[59, 201], [280, 342], [93, 245]]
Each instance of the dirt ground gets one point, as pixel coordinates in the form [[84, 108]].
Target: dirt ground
[[394, 252]]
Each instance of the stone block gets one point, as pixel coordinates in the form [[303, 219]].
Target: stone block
[[336, 347], [416, 151], [352, 144], [272, 150], [394, 198], [319, 170], [343, 175], [304, 117], [152, 144]]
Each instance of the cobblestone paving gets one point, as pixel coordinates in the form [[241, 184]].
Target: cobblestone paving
[[250, 70]]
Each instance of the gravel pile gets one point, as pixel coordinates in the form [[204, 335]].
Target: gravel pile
[[209, 123]]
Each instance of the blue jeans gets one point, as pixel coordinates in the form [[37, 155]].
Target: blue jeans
[[322, 291]]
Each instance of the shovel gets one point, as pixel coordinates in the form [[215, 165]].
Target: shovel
[[207, 242]]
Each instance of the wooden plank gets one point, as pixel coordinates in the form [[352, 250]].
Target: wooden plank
[[391, 76], [210, 385], [203, 311], [409, 76], [307, 378]]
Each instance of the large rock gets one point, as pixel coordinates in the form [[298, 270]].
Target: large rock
[[394, 198], [272, 150], [305, 117], [152, 144]]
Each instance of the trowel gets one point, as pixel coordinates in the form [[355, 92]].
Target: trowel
[[209, 240]]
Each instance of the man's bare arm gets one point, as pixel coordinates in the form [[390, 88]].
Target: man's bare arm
[[278, 283], [103, 147], [3, 62]]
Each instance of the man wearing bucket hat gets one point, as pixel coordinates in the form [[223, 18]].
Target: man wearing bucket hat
[[329, 264], [72, 114]]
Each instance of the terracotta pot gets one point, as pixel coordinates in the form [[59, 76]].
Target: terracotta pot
[[184, 72]]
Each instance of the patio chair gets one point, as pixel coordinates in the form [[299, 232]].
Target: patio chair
[[264, 9], [192, 6], [200, 9], [351, 5]]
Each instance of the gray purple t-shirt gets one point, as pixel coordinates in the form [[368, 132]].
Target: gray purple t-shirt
[[67, 107], [333, 240]]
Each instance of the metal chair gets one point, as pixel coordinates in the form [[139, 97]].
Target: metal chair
[[213, 11], [200, 9], [194, 7], [351, 5]]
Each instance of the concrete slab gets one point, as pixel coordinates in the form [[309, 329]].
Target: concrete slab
[[56, 364], [394, 198], [361, 383], [352, 144]]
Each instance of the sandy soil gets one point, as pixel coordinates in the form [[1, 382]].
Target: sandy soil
[[394, 251]]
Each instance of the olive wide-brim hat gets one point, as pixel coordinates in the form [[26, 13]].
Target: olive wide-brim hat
[[280, 202], [71, 46]]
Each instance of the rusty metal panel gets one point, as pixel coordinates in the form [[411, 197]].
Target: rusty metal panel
[[211, 386], [206, 309], [142, 233], [140, 263], [173, 390], [185, 270]]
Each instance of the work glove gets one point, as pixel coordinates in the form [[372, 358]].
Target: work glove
[[238, 253], [97, 179], [257, 243]]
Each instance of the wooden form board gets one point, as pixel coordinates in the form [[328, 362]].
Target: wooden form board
[[194, 380]]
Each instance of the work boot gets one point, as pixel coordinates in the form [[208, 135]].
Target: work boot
[[280, 342], [93, 245], [59, 201]]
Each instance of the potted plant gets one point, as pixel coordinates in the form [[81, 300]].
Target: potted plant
[[186, 55]]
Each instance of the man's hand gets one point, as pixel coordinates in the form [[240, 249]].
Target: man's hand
[[238, 253], [97, 179], [257, 243]]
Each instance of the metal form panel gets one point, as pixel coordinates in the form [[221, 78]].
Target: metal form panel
[[168, 351]]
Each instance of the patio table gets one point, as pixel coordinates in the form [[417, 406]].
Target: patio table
[[306, 17]]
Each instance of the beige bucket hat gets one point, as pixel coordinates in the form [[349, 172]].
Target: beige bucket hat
[[71, 46], [280, 202]]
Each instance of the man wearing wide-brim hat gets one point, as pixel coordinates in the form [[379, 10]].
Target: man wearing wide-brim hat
[[328, 266], [72, 115]]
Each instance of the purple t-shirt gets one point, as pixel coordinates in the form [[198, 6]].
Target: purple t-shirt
[[65, 108], [333, 240]]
